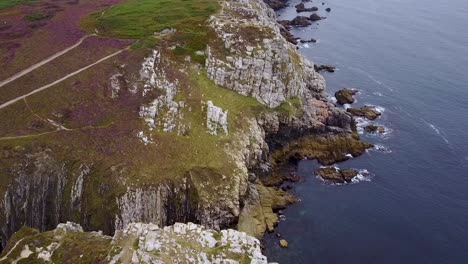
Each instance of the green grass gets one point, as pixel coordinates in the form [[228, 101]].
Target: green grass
[[140, 19], [10, 3], [291, 107], [35, 16]]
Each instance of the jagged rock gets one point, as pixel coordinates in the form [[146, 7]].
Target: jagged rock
[[276, 4], [301, 8], [348, 174], [216, 119], [336, 175], [300, 21], [315, 17], [283, 243], [345, 96], [308, 41], [373, 129], [366, 111], [328, 68], [137, 243]]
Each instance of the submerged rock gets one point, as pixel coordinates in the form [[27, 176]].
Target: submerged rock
[[345, 96], [366, 111], [328, 68], [315, 17], [308, 41], [373, 129], [300, 21], [328, 9], [335, 175], [301, 8]]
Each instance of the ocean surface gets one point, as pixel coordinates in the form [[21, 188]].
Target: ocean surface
[[411, 59]]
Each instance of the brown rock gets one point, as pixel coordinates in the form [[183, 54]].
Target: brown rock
[[348, 174], [300, 21], [330, 174], [373, 129], [366, 111], [345, 96], [315, 17]]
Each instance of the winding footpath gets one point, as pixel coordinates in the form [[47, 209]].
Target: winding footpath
[[41, 63], [11, 250], [59, 80]]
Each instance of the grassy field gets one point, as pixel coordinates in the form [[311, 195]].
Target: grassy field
[[140, 19], [9, 3]]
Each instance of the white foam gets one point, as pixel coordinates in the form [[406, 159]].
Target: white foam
[[360, 124], [346, 106], [378, 108], [333, 99], [363, 175], [382, 148]]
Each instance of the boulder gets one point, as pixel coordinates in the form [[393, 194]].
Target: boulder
[[328, 9], [373, 129], [328, 68], [315, 17], [330, 174], [283, 243], [300, 21], [348, 174], [335, 175], [308, 40], [301, 8], [345, 96], [366, 111]]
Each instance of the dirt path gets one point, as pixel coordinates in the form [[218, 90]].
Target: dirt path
[[60, 80], [39, 64], [13, 248]]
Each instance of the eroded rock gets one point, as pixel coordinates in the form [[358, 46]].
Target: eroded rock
[[345, 96], [366, 111]]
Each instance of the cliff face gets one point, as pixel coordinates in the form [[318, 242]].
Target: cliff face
[[137, 243], [199, 148]]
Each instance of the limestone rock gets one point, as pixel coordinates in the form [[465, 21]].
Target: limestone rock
[[283, 243], [137, 243], [216, 119]]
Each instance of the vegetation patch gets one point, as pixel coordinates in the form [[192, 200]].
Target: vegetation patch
[[141, 19], [10, 3], [36, 17]]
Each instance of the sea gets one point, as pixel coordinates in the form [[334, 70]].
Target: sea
[[410, 204]]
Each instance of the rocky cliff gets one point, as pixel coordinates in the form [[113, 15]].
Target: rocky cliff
[[198, 148], [137, 243]]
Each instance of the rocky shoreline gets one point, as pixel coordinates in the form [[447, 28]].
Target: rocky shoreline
[[347, 147]]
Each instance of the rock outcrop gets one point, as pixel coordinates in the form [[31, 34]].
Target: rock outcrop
[[366, 111], [335, 175], [345, 96], [137, 243]]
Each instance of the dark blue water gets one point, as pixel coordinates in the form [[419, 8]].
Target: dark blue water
[[411, 58]]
